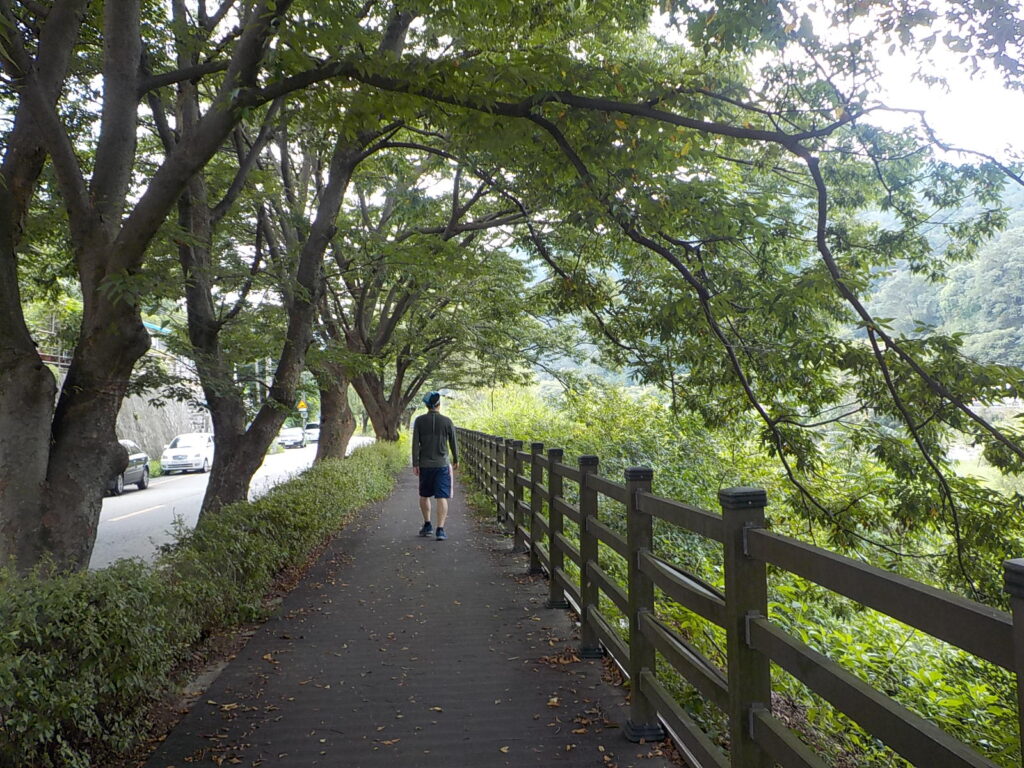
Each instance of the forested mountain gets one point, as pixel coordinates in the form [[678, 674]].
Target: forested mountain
[[983, 298]]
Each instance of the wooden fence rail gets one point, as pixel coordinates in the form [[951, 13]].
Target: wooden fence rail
[[753, 642]]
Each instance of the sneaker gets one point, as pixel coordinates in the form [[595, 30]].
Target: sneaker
[[441, 535], [427, 529]]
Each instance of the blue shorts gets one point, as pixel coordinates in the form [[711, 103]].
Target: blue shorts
[[436, 482]]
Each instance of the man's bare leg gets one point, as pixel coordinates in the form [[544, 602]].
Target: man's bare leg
[[442, 512], [425, 508]]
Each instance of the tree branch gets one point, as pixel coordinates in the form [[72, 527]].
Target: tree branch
[[825, 252], [51, 134], [154, 82], [211, 22], [254, 269], [704, 298], [115, 148], [246, 163]]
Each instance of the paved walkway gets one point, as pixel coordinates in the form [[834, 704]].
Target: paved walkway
[[404, 652]]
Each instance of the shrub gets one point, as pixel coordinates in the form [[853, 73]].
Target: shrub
[[79, 658], [82, 655]]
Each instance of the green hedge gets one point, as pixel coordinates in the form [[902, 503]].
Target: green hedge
[[83, 655]]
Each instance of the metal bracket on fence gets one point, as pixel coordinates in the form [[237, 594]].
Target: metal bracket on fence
[[747, 618], [755, 708], [747, 527], [639, 557]]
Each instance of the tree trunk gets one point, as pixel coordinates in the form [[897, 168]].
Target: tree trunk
[[244, 448], [238, 453], [28, 388], [57, 461], [238, 450], [337, 422], [26, 408], [385, 415], [84, 452]]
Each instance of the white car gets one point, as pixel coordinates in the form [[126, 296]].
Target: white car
[[313, 432], [191, 452], [292, 437]]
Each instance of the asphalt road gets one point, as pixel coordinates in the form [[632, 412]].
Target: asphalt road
[[136, 523]]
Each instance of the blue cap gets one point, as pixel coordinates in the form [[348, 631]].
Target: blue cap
[[431, 399]]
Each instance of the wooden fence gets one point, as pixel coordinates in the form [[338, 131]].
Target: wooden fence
[[753, 642]]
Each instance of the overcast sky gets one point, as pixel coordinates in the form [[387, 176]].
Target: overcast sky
[[977, 113]]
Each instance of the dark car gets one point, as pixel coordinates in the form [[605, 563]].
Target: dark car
[[136, 473]]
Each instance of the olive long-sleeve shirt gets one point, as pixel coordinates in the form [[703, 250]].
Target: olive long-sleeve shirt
[[432, 436]]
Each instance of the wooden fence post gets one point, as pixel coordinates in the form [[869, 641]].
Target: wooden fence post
[[474, 454], [504, 486], [643, 722], [497, 446], [590, 647], [1013, 583], [536, 505], [556, 526], [493, 456], [516, 497], [746, 596]]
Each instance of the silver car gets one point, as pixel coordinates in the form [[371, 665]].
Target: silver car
[[136, 473]]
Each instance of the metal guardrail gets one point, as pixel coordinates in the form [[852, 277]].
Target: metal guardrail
[[58, 359], [753, 643]]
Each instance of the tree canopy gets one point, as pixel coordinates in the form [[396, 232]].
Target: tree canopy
[[713, 199]]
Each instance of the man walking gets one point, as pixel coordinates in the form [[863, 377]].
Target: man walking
[[432, 436]]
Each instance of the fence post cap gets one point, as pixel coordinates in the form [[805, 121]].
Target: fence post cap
[[742, 497], [556, 453], [517, 444], [639, 473], [588, 461], [536, 447], [1013, 577]]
